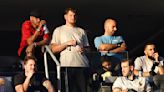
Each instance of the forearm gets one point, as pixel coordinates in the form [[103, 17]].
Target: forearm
[[161, 70], [47, 84], [42, 42], [26, 84], [58, 48], [31, 39], [119, 49], [107, 47]]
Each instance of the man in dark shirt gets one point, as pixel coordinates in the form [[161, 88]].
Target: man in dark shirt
[[30, 80]]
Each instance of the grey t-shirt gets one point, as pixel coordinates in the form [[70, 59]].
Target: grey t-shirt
[[71, 57], [145, 66]]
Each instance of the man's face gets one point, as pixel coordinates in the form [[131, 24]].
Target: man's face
[[111, 27], [35, 20], [149, 50], [30, 65], [106, 65], [70, 17], [125, 68]]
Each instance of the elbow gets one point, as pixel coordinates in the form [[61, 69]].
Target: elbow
[[54, 49]]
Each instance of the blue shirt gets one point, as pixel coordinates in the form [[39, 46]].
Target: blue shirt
[[108, 40]]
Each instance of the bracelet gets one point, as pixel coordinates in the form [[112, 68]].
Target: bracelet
[[37, 29], [118, 45], [35, 44]]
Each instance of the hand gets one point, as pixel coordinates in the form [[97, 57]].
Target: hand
[[30, 73], [125, 90], [155, 56], [71, 43], [104, 52], [30, 50], [79, 49], [42, 22]]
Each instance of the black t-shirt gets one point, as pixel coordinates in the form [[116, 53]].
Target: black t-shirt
[[35, 82]]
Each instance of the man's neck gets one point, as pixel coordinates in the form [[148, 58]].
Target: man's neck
[[130, 77], [70, 25], [107, 34]]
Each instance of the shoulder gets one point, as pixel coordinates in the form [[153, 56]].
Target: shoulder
[[119, 79], [81, 30], [19, 75], [140, 58], [98, 37], [59, 28], [27, 23]]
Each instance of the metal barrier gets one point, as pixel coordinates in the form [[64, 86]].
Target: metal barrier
[[58, 67]]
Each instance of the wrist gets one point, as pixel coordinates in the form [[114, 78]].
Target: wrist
[[38, 29], [118, 45], [35, 44], [140, 73]]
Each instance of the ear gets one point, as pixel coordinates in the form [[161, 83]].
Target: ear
[[65, 16], [31, 18], [131, 68], [145, 52]]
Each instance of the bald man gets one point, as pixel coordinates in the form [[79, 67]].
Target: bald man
[[110, 45]]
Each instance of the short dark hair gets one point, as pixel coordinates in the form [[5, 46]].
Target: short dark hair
[[131, 63], [69, 9], [148, 44], [28, 58], [104, 58]]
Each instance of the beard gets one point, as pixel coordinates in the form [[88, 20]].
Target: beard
[[151, 58]]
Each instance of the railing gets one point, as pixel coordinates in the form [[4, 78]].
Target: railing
[[47, 50]]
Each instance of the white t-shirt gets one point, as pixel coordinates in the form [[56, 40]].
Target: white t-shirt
[[139, 84], [70, 57]]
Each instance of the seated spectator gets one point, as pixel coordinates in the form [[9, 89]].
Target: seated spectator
[[150, 64], [110, 45], [29, 80], [129, 82], [101, 74]]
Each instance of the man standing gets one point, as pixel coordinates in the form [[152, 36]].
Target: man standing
[[129, 82], [110, 45], [34, 35], [30, 80], [70, 41]]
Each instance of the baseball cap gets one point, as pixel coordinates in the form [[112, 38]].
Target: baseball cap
[[35, 13]]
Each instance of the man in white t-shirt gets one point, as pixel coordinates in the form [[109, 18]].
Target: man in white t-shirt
[[130, 82], [70, 41]]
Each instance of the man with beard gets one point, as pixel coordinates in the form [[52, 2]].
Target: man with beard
[[31, 81], [149, 64], [129, 82]]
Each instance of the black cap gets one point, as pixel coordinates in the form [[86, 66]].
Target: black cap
[[35, 13]]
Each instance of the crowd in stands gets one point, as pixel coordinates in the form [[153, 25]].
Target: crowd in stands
[[144, 74]]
